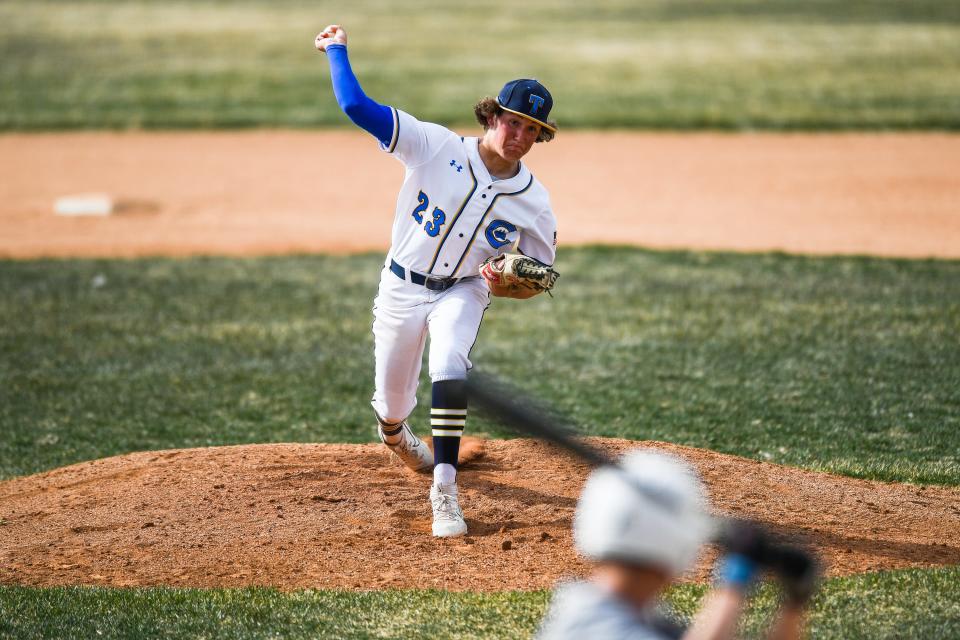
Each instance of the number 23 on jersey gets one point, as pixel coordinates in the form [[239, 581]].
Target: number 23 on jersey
[[432, 227]]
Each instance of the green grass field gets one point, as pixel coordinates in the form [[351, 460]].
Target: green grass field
[[845, 364], [684, 64], [850, 365], [890, 605]]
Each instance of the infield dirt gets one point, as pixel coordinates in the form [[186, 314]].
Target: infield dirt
[[350, 516], [268, 192]]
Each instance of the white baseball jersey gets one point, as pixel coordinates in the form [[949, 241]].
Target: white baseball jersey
[[451, 214]]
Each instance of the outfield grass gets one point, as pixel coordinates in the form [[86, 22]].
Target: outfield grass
[[899, 604], [850, 365], [735, 64]]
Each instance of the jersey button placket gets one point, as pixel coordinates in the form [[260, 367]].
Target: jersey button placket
[[448, 247], [481, 209]]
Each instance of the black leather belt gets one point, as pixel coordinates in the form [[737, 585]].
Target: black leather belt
[[430, 282]]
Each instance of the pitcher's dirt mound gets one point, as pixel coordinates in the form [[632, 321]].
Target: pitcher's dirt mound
[[297, 515]]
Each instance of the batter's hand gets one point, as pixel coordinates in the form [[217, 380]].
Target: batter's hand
[[333, 34]]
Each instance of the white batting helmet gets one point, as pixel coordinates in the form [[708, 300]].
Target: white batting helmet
[[653, 512]]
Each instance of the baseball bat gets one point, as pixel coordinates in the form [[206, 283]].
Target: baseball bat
[[528, 416]]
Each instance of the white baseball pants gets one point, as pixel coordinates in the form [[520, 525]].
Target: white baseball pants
[[404, 314]]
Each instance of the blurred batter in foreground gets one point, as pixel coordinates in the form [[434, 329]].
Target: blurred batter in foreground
[[642, 533]]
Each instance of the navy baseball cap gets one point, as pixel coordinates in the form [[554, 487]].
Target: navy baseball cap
[[528, 98]]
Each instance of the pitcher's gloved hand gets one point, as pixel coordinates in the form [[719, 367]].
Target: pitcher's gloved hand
[[511, 270]]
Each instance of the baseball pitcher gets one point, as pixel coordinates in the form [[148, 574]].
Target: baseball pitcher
[[470, 221]]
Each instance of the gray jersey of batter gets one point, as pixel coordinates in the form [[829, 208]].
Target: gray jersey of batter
[[586, 610]]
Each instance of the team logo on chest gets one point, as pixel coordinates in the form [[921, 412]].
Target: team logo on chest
[[499, 233]]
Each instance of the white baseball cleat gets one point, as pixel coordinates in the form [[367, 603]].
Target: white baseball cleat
[[411, 450], [447, 515]]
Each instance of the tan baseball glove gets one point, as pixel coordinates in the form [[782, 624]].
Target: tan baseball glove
[[517, 276]]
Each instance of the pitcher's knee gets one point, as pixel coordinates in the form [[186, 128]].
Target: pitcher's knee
[[452, 367]]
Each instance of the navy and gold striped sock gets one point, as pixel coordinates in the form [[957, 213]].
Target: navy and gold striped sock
[[448, 417]]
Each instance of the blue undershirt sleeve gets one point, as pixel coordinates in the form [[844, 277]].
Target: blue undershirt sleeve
[[364, 112]]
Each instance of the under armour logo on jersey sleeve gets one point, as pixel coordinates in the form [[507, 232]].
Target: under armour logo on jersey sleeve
[[453, 163]]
